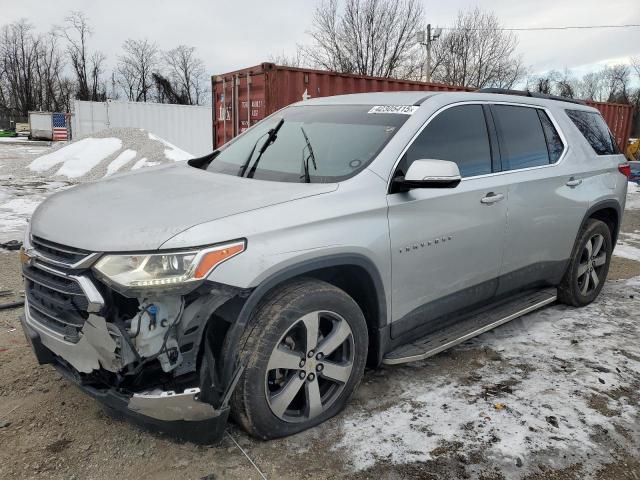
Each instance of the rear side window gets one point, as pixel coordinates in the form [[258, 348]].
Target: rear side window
[[554, 142], [458, 134], [595, 130], [522, 140]]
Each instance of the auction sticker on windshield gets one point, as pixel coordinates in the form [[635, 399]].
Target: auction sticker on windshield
[[401, 109]]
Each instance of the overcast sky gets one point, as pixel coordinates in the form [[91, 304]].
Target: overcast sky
[[234, 34]]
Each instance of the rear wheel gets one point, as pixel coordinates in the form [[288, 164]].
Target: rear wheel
[[589, 265], [305, 353]]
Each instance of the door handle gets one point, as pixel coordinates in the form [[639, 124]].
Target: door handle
[[491, 198], [573, 182]]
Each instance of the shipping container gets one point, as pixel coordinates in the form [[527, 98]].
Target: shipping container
[[619, 117], [244, 97], [40, 125]]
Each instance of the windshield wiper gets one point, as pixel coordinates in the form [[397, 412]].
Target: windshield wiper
[[305, 160], [243, 167], [271, 137]]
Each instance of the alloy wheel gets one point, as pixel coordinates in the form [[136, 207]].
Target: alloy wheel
[[591, 267], [309, 366]]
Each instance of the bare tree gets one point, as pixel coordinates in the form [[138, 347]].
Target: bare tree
[[19, 51], [295, 60], [167, 92], [566, 84], [50, 67], [476, 52], [635, 65], [592, 86], [617, 78], [141, 59], [96, 69], [365, 37], [86, 66], [187, 73]]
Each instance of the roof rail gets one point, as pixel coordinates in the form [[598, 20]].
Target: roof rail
[[527, 93]]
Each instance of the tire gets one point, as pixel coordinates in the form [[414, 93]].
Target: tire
[[277, 336], [588, 254]]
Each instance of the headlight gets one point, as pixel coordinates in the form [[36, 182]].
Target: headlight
[[164, 270]]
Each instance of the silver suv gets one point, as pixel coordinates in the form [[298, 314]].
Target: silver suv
[[339, 232]]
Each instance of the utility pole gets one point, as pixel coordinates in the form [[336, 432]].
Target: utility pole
[[426, 39]]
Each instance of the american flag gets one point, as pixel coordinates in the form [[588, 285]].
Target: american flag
[[60, 131]]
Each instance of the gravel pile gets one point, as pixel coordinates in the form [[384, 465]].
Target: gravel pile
[[101, 154]]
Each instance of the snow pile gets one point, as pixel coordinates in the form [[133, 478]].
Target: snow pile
[[121, 160], [25, 181], [77, 158], [103, 154], [171, 152]]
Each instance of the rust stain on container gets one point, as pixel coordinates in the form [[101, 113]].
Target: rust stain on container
[[244, 97]]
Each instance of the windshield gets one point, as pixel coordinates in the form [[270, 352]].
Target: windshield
[[315, 144]]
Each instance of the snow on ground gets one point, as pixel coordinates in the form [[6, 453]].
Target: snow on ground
[[17, 203], [627, 250], [633, 196], [562, 375]]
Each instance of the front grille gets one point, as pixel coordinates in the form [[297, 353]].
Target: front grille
[[55, 301], [58, 253]]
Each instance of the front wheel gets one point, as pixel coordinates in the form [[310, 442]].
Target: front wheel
[[589, 265], [305, 353]]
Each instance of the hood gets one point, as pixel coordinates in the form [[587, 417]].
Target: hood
[[142, 210]]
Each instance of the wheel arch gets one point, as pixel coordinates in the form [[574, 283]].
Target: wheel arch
[[356, 274], [609, 212]]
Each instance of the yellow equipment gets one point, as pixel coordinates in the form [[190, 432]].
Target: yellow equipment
[[633, 150]]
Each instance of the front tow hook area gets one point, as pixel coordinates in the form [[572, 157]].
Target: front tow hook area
[[170, 406], [206, 425]]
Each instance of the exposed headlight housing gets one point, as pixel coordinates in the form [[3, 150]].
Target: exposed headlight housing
[[162, 271]]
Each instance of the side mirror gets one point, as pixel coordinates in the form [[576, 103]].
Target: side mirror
[[429, 174]]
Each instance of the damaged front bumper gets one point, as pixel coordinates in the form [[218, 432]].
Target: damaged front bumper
[[180, 415]]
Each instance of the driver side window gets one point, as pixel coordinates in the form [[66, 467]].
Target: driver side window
[[458, 134]]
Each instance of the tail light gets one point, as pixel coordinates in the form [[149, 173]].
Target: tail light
[[625, 169]]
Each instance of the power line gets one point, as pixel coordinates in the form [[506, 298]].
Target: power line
[[569, 27]]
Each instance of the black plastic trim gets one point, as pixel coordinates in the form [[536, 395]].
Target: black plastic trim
[[527, 93], [202, 432], [602, 205], [299, 269], [494, 145]]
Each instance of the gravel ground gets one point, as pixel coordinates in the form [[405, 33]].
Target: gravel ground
[[554, 395]]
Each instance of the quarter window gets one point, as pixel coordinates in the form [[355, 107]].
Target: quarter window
[[522, 140], [595, 130], [458, 134], [554, 142]]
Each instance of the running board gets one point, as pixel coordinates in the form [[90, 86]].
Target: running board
[[475, 325]]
